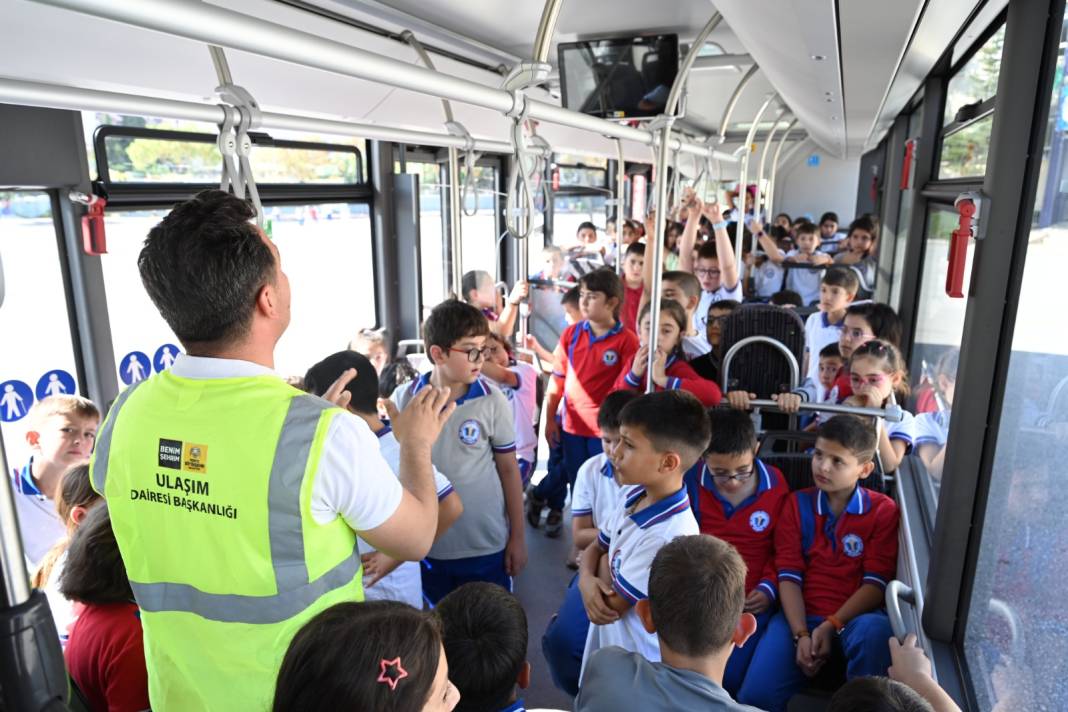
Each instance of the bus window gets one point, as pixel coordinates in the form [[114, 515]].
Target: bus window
[[904, 217], [326, 253], [431, 242], [1015, 636], [33, 317], [966, 137], [481, 236]]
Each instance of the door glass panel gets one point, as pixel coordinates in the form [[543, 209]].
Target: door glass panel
[[939, 328], [481, 238], [1015, 637], [33, 317], [431, 235], [326, 253], [904, 218]]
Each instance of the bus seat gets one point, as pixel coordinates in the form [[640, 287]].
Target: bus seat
[[788, 451], [761, 368]]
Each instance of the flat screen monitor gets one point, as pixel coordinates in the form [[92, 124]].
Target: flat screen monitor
[[619, 77]]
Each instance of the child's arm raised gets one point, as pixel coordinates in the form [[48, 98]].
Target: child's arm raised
[[774, 253], [728, 266], [688, 239], [505, 324]]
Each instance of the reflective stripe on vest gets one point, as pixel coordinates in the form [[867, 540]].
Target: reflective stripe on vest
[[295, 591]]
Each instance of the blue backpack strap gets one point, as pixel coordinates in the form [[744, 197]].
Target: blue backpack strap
[[807, 520], [574, 340], [691, 479]]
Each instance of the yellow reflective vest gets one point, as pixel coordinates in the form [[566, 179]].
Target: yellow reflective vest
[[209, 486]]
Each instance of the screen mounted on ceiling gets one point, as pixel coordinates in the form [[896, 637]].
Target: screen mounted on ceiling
[[619, 77]]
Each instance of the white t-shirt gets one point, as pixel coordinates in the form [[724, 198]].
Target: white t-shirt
[[405, 582], [819, 332], [932, 428], [39, 522], [596, 492], [767, 279], [523, 399], [694, 347], [700, 317], [631, 540], [353, 481], [804, 281], [904, 431]]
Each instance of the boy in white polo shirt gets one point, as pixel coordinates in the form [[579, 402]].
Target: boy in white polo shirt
[[838, 289], [661, 436]]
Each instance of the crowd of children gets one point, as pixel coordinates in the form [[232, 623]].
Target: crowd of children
[[702, 580]]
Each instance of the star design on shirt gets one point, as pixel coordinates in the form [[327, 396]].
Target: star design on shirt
[[391, 672]]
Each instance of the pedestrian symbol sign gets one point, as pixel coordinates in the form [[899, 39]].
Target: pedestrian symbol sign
[[134, 368], [15, 401], [165, 357], [55, 383]]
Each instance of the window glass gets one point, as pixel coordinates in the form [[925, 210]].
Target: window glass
[[1015, 637], [326, 253], [936, 346], [964, 152], [33, 317], [582, 176], [480, 234], [904, 217], [977, 80], [431, 236], [570, 211]]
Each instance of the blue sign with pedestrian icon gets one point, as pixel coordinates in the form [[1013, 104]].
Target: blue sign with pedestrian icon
[[165, 357], [55, 383], [15, 401], [134, 368]]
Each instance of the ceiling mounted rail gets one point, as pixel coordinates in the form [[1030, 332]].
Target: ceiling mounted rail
[[216, 25], [733, 102]]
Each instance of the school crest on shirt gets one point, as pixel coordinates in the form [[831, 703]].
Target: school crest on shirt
[[470, 431], [617, 562], [610, 358], [852, 545], [759, 520]]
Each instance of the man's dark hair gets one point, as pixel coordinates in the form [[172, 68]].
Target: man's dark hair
[[688, 283], [335, 661], [203, 266], [877, 694], [786, 297], [587, 225], [471, 281], [636, 248], [484, 630], [611, 407], [883, 320], [829, 216], [732, 432], [696, 594], [94, 572], [364, 387], [571, 297], [807, 228], [674, 421], [841, 277], [831, 351], [605, 281], [853, 434], [451, 321]]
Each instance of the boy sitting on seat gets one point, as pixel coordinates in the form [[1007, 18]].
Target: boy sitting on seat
[[661, 436], [739, 500], [838, 288], [695, 607], [835, 551]]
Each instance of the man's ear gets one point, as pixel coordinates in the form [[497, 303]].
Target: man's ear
[[645, 615], [523, 681], [744, 630]]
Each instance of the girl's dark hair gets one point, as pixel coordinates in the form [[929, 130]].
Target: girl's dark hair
[[883, 320], [336, 660], [677, 314], [471, 281], [889, 354], [394, 374], [76, 490], [94, 572], [605, 281]]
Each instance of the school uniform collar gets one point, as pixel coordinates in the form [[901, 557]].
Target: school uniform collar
[[517, 706], [594, 339], [661, 511], [859, 503], [475, 390], [24, 483], [764, 483], [386, 430], [827, 322], [606, 469]]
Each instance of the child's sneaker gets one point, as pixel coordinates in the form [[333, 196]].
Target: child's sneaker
[[554, 523], [535, 505]]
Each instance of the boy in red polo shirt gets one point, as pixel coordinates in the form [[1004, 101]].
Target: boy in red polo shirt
[[835, 550], [589, 357], [739, 499]]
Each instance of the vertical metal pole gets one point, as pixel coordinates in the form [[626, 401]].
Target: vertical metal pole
[[775, 167], [621, 201], [663, 151], [12, 559], [757, 202], [456, 272], [790, 153], [743, 188], [733, 102]]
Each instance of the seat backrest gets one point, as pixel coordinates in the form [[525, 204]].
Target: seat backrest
[[761, 368]]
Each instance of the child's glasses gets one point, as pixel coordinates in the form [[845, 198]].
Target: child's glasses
[[473, 355], [875, 379], [723, 476], [706, 272]]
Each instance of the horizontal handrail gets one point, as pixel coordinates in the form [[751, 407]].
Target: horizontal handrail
[[892, 414]]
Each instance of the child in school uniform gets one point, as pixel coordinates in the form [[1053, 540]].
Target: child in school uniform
[[633, 286], [518, 381], [477, 448], [715, 266], [384, 578], [661, 436], [878, 377], [597, 495], [738, 499], [835, 551], [859, 252], [838, 288], [805, 282]]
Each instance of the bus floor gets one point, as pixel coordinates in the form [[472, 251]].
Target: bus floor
[[540, 588]]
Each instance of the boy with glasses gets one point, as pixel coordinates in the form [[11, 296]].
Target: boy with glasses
[[476, 451], [739, 500]]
